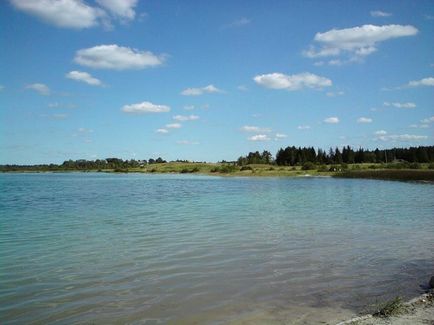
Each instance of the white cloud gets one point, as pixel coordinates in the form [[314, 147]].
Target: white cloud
[[162, 131], [428, 120], [402, 137], [40, 88], [423, 82], [292, 82], [257, 129], [182, 118], [334, 94], [59, 116], [303, 127], [242, 88], [200, 91], [173, 126], [379, 13], [279, 136], [83, 77], [356, 42], [364, 120], [187, 142], [331, 120], [65, 13], [84, 130], [259, 137], [189, 107], [145, 107], [120, 8], [243, 21], [423, 126], [380, 132], [400, 105], [116, 57]]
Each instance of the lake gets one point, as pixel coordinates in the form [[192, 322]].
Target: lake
[[156, 249]]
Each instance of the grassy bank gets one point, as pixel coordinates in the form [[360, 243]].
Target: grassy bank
[[390, 174], [370, 171]]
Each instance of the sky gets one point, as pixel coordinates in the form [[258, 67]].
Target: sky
[[211, 80]]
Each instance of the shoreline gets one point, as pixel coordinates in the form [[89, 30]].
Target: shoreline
[[419, 310], [417, 175]]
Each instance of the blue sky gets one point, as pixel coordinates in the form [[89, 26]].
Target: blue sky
[[208, 81]]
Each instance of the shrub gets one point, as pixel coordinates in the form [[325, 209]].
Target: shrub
[[431, 166], [414, 165], [308, 166], [390, 308], [246, 168], [322, 169]]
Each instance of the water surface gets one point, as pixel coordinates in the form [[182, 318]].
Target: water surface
[[134, 248]]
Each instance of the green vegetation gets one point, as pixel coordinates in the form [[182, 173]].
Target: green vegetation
[[390, 174], [390, 308], [290, 161]]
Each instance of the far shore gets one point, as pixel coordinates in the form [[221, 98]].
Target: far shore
[[369, 171]]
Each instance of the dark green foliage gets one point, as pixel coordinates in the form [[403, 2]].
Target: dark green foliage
[[391, 174], [186, 170], [390, 308], [291, 156], [308, 166], [322, 169], [256, 158], [246, 168], [431, 166]]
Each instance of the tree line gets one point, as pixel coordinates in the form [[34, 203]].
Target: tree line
[[83, 164], [293, 156]]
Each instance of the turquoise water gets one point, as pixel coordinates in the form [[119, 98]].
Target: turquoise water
[[133, 248]]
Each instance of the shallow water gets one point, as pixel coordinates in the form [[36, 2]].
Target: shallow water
[[134, 248]]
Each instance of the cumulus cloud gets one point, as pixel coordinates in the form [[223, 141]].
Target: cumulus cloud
[[183, 118], [279, 136], [77, 14], [259, 137], [189, 107], [402, 137], [292, 82], [42, 89], [173, 126], [357, 42], [364, 120], [200, 91], [400, 105], [119, 8], [66, 13], [83, 77], [422, 82], [145, 107], [331, 120], [380, 132], [303, 127], [256, 129], [162, 131], [428, 120], [379, 13], [116, 57]]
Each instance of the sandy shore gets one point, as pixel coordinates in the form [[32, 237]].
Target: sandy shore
[[418, 311]]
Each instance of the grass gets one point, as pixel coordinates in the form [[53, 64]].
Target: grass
[[390, 174], [368, 170], [389, 308]]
